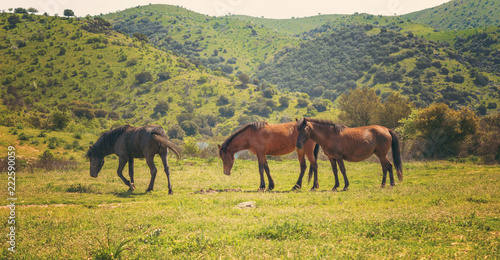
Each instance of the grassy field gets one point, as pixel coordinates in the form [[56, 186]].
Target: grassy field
[[442, 210]]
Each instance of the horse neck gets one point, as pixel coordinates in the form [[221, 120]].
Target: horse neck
[[239, 142], [319, 132]]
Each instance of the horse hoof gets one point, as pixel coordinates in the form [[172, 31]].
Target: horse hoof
[[382, 186], [132, 187], [334, 189], [261, 190], [149, 190], [345, 189], [296, 187], [170, 192], [313, 189]]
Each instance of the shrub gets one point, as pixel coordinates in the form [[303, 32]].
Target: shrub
[[227, 111], [284, 101], [176, 132], [189, 127], [161, 107], [143, 77]]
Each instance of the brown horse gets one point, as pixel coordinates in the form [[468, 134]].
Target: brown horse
[[263, 139], [129, 142], [341, 143]]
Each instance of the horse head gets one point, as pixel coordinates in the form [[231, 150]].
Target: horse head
[[96, 162], [304, 132], [227, 160]]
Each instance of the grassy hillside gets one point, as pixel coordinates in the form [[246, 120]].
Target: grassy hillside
[[459, 15], [423, 70], [218, 42], [82, 74]]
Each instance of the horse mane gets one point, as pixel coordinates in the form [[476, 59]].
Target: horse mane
[[337, 127], [255, 126], [106, 140]]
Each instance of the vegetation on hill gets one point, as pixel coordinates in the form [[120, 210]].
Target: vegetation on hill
[[459, 15], [385, 60], [218, 43]]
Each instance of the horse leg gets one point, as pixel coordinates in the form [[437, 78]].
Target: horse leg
[[342, 169], [131, 173], [303, 168], [313, 169], [152, 168], [333, 162], [262, 163], [270, 185], [164, 159], [386, 166], [121, 164]]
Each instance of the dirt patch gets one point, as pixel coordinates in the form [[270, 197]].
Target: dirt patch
[[213, 191]]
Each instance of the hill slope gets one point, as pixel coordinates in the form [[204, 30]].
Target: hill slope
[[425, 71], [74, 74], [460, 14]]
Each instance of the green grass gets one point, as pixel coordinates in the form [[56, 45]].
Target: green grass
[[442, 210]]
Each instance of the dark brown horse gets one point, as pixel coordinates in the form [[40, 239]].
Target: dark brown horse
[[263, 139], [129, 142], [352, 144]]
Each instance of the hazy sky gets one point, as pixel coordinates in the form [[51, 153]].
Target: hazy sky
[[257, 8]]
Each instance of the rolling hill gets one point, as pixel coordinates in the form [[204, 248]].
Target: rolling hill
[[459, 15], [79, 74]]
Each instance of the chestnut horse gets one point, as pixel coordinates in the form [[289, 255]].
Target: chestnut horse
[[263, 139], [341, 143], [130, 142]]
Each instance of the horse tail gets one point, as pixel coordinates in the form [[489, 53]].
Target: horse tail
[[165, 142], [396, 155], [316, 150]]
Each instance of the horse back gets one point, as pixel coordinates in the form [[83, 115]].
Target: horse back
[[359, 143], [277, 139]]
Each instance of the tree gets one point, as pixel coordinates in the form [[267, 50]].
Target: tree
[[68, 13], [244, 78], [359, 107], [162, 107], [176, 132], [143, 77], [189, 127], [443, 129], [394, 109], [140, 36], [59, 119], [20, 10], [284, 101], [13, 20], [32, 10]]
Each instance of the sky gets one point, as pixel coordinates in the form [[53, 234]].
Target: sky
[[276, 9]]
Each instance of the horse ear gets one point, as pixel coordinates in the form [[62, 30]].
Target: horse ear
[[220, 147], [296, 120]]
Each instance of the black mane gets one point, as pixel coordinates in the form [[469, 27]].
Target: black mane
[[106, 140], [338, 127], [254, 126]]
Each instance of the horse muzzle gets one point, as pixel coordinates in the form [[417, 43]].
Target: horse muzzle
[[228, 173]]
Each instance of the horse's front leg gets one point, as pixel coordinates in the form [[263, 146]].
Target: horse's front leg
[[131, 173], [121, 164], [303, 168], [333, 162], [262, 167], [342, 169], [152, 169]]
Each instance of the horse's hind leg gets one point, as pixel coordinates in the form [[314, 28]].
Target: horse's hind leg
[[164, 159], [152, 168], [342, 169], [131, 173], [264, 167], [303, 168], [121, 164], [386, 167]]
